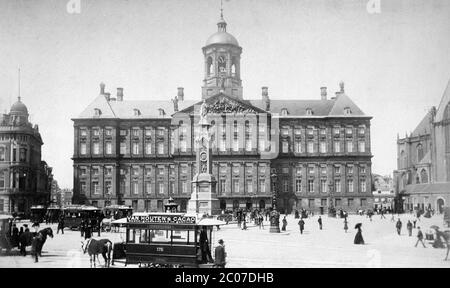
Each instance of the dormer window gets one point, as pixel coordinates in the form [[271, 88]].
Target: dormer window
[[97, 112], [309, 111], [347, 111], [161, 112], [284, 112], [136, 112]]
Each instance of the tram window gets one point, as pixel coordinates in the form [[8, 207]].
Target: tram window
[[180, 236], [160, 236]]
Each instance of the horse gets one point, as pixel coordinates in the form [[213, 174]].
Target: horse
[[94, 247], [38, 241], [446, 236]]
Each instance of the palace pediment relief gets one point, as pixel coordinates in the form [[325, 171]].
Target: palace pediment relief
[[223, 104]]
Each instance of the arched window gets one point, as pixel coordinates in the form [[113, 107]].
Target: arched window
[[419, 152], [309, 111], [424, 176], [284, 112], [417, 179], [402, 159], [210, 66]]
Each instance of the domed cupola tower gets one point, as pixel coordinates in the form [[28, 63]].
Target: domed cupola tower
[[222, 64], [19, 113]]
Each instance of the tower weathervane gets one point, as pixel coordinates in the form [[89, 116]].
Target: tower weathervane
[[18, 96]]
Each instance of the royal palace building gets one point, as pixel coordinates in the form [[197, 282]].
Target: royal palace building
[[422, 178], [312, 153], [25, 179]]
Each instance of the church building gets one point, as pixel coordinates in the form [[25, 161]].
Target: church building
[[308, 153]]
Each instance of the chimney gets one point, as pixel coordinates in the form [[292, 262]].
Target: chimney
[[119, 94], [341, 84], [180, 93], [323, 93], [102, 88], [265, 92], [265, 97], [107, 96]]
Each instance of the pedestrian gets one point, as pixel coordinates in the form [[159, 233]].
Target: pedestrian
[[398, 225], [15, 236], [244, 223], [83, 226], [382, 214], [301, 223], [25, 240], [392, 218], [60, 225], [88, 229], [35, 243], [420, 237], [414, 222], [36, 227], [320, 222], [283, 228], [409, 226], [358, 237], [220, 255], [345, 226]]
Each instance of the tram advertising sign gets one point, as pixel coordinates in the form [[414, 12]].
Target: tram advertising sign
[[161, 219]]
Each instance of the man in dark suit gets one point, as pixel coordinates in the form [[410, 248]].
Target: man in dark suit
[[220, 255]]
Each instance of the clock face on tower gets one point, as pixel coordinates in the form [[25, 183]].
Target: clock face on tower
[[222, 64]]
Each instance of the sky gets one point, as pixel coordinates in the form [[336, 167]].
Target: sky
[[395, 63]]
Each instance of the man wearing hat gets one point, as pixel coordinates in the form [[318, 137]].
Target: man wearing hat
[[220, 255]]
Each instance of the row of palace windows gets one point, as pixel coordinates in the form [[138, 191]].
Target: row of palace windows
[[135, 132], [161, 186], [323, 131], [262, 146], [338, 169], [22, 138], [311, 147], [337, 202], [161, 170], [248, 128], [325, 185]]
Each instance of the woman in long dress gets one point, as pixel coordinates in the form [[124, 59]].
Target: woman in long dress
[[358, 237]]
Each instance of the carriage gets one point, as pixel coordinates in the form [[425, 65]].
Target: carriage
[[37, 214], [74, 214], [169, 239], [4, 230]]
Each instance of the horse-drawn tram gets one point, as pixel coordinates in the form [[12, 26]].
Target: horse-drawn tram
[[169, 239], [74, 214]]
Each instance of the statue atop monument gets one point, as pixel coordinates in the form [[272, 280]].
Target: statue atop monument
[[203, 112]]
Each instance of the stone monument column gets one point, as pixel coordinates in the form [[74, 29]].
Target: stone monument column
[[204, 197]]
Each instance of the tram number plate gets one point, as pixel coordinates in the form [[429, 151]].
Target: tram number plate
[[159, 249]]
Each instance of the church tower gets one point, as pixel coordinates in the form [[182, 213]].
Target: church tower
[[222, 63]]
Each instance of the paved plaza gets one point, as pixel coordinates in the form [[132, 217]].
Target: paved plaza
[[330, 247]]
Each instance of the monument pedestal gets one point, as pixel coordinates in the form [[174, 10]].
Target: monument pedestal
[[204, 198]]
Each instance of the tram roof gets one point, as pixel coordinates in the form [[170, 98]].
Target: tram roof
[[81, 207], [153, 218]]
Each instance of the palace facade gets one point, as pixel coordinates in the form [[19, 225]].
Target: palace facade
[[25, 179], [422, 178], [313, 153]]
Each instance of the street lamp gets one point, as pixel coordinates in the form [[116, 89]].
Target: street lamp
[[274, 215], [331, 209]]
